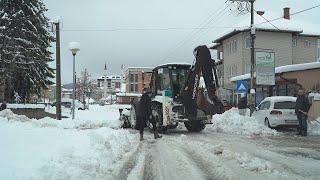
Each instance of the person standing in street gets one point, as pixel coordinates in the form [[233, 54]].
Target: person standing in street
[[144, 114], [243, 104], [302, 108]]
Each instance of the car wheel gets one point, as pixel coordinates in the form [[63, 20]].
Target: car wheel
[[267, 123]]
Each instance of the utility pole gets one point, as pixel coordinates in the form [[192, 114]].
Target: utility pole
[[84, 88], [253, 36], [58, 72], [105, 82]]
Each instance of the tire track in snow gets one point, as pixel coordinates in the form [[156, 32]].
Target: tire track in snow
[[204, 159], [124, 165]]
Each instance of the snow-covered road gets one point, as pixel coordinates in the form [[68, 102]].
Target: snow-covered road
[[92, 147], [212, 155]]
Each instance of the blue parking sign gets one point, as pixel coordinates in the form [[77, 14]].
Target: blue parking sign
[[242, 86]]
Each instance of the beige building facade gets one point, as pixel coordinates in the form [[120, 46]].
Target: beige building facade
[[137, 78], [290, 47]]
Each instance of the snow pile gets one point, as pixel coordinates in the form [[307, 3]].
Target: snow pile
[[31, 106], [98, 158], [95, 118], [54, 153], [233, 123], [314, 127], [8, 115], [61, 150]]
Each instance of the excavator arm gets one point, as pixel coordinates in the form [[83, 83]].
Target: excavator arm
[[203, 67]]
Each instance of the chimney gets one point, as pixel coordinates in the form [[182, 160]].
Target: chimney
[[286, 13]]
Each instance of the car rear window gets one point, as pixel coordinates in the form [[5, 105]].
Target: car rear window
[[285, 105]]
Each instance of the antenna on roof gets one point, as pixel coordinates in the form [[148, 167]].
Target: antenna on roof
[[240, 7]]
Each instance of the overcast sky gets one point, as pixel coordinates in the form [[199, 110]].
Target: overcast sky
[[135, 32]]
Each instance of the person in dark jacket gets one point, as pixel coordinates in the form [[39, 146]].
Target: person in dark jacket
[[302, 108], [3, 106], [243, 104], [144, 114]]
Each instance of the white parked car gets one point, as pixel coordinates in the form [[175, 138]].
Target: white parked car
[[277, 111]]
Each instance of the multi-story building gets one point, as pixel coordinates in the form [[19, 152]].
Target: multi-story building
[[137, 78], [290, 45], [113, 83]]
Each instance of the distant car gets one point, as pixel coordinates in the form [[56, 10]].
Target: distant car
[[68, 104], [277, 111], [64, 104]]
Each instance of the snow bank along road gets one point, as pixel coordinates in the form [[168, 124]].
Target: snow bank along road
[[239, 148]]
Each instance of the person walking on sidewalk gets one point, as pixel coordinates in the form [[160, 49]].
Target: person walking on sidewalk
[[144, 114], [243, 104], [302, 108]]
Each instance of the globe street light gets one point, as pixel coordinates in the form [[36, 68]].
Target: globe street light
[[74, 47]]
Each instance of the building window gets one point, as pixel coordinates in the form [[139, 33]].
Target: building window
[[247, 42], [227, 71], [131, 77], [318, 49], [134, 83], [117, 84], [248, 68], [234, 46], [294, 42], [307, 43], [227, 49], [234, 71], [220, 55], [131, 87]]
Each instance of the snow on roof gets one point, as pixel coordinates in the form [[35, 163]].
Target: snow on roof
[[111, 77], [241, 77], [282, 69], [298, 67], [281, 98], [175, 63], [128, 94], [137, 67], [278, 24]]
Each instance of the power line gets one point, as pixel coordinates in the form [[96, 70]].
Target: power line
[[292, 14], [189, 37], [305, 10], [150, 29], [268, 21]]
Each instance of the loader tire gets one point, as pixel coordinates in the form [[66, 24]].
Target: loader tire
[[194, 126], [156, 110]]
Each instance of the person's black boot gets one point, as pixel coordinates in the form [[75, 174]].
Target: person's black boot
[[141, 137], [156, 135], [304, 134], [299, 133]]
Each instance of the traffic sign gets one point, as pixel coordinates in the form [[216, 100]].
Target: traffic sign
[[242, 86]]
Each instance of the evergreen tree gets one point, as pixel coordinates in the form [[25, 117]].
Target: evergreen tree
[[24, 43]]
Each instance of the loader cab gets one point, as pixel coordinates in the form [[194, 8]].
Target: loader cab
[[169, 76]]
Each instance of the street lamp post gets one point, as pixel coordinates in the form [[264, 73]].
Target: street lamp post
[[74, 47]]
